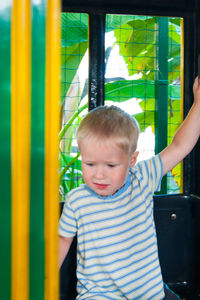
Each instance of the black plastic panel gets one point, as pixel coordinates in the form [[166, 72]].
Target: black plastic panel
[[140, 6], [177, 219]]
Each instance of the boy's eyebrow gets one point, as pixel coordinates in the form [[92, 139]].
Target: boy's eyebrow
[[106, 161], [88, 160], [112, 162]]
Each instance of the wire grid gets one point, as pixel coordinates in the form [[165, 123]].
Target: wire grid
[[134, 45], [74, 78], [131, 69]]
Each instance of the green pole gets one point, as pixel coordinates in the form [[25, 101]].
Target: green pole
[[161, 91], [37, 242], [5, 150]]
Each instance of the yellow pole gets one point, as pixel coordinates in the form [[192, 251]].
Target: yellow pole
[[52, 99], [20, 143]]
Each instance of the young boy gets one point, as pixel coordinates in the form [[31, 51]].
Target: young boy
[[112, 214]]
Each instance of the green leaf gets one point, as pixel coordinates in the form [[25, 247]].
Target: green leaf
[[174, 35], [70, 60], [68, 164], [145, 119], [137, 44], [69, 123], [174, 117], [174, 91], [74, 43], [74, 28], [122, 90], [116, 21]]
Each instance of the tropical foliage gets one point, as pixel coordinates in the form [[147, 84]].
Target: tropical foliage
[[137, 45]]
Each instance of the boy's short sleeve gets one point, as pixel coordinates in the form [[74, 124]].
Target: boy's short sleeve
[[155, 172], [151, 172], [67, 223]]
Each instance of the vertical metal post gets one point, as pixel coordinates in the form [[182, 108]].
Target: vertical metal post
[[161, 91], [96, 59], [37, 241], [5, 149], [52, 98], [20, 143]]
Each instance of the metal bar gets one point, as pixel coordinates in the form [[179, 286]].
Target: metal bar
[[96, 59], [143, 7], [52, 112], [20, 139], [37, 241], [161, 91], [5, 151]]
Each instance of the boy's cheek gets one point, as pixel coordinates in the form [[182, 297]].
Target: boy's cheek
[[86, 175]]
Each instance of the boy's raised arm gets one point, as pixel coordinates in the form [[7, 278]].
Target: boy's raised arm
[[186, 136]]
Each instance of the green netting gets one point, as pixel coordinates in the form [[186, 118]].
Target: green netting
[[133, 80], [134, 77], [74, 98]]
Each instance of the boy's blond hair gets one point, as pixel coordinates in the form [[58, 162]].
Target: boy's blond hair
[[107, 122]]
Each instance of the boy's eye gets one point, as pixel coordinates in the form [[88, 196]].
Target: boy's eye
[[89, 164], [111, 165]]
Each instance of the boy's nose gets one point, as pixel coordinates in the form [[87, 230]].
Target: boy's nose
[[99, 174]]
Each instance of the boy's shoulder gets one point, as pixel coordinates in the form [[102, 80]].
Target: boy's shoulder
[[78, 195], [148, 168], [76, 192], [148, 163], [73, 196]]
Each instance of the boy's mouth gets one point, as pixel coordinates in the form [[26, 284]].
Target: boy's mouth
[[101, 186]]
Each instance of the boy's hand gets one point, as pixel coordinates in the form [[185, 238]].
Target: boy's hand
[[186, 136]]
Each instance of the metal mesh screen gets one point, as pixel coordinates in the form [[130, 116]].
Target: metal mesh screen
[[74, 98], [134, 78], [140, 58]]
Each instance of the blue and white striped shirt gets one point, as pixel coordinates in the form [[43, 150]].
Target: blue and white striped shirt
[[117, 255]]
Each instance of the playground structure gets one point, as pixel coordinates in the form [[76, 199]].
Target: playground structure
[[29, 127]]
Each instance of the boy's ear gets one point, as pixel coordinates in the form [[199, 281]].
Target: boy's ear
[[134, 158]]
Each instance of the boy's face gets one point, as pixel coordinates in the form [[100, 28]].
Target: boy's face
[[105, 166]]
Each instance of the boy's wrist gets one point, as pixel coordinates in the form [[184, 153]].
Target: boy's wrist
[[196, 105]]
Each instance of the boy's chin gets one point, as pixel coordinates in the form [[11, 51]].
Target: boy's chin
[[106, 194]]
